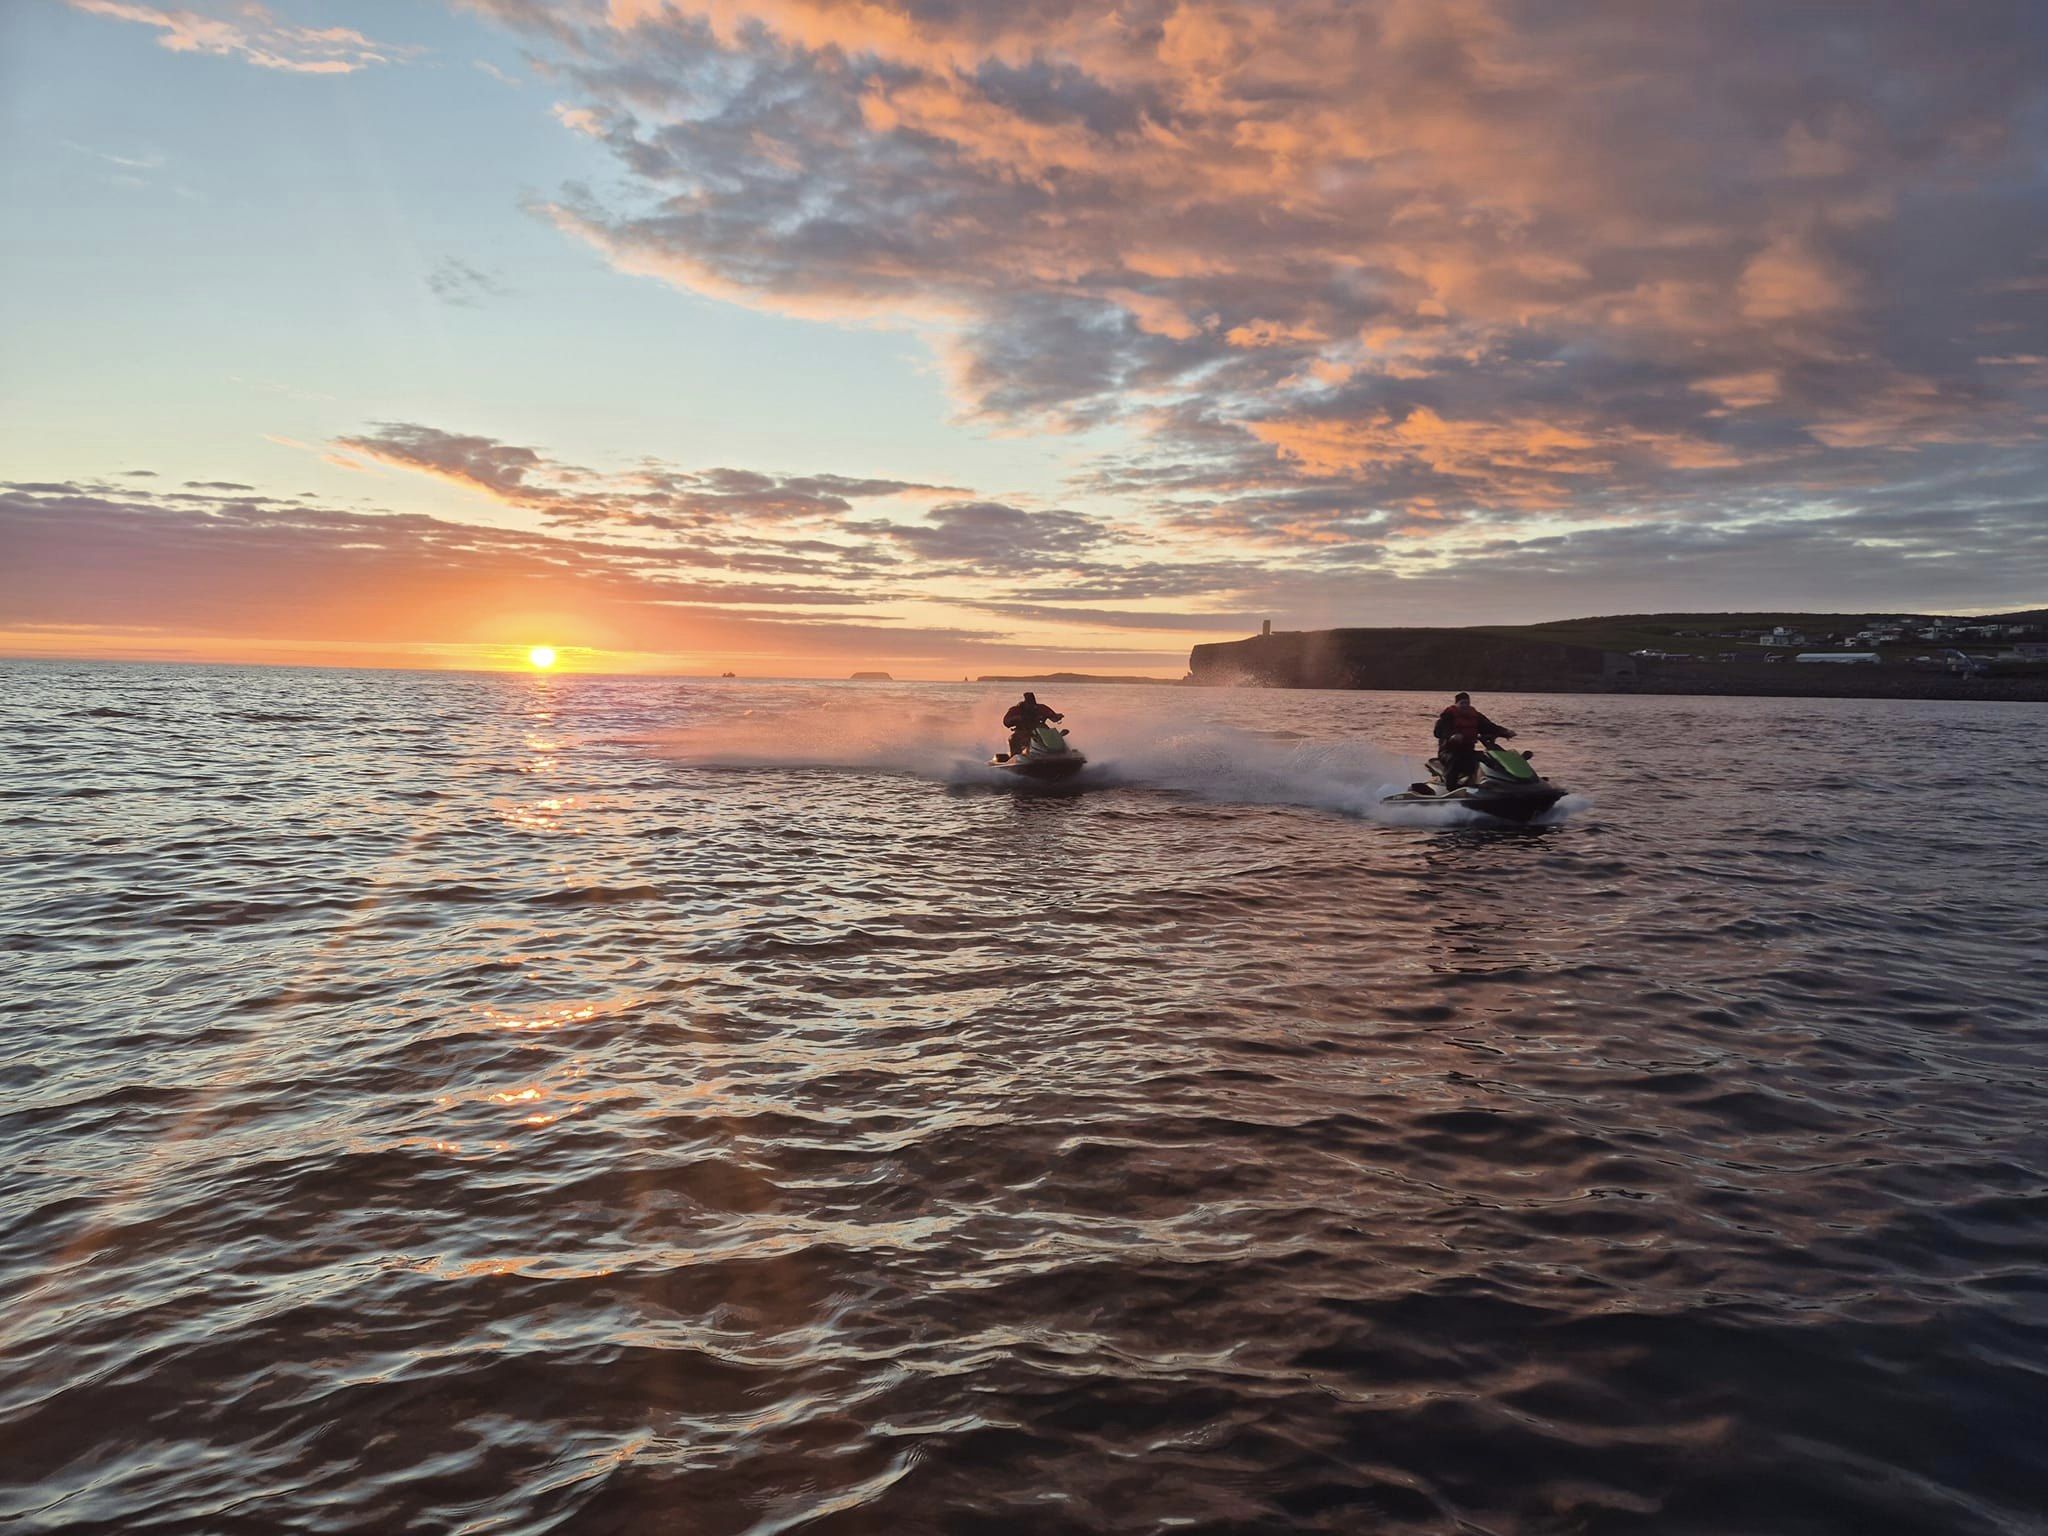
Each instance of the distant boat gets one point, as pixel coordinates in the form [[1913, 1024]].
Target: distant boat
[[728, 674], [872, 677]]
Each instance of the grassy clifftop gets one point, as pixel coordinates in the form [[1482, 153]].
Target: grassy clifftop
[[1663, 631], [1592, 655]]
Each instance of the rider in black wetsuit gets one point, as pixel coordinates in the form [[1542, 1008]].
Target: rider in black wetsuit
[[1026, 717]]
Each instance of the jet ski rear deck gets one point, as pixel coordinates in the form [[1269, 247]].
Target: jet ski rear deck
[[1505, 787], [1046, 758]]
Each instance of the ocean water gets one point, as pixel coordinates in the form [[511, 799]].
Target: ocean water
[[515, 1104]]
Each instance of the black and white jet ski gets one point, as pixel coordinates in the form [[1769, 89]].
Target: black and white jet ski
[[1046, 758], [1503, 785]]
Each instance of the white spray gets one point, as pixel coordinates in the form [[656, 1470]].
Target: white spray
[[1144, 741]]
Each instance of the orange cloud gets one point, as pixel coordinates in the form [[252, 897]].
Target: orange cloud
[[1788, 280], [1526, 461], [1161, 317], [255, 36], [1377, 253]]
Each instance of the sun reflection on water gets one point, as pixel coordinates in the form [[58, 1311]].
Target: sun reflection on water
[[554, 1018], [549, 815]]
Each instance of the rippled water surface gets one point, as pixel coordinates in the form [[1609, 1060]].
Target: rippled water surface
[[508, 1104]]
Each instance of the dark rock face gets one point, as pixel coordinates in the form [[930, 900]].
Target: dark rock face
[[1450, 659], [1398, 658]]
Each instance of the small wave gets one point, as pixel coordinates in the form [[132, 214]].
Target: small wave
[[596, 896], [453, 892]]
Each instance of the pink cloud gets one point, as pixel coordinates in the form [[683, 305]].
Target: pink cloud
[[255, 36], [579, 119], [1789, 281]]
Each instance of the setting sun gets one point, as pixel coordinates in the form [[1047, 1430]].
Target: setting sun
[[541, 656]]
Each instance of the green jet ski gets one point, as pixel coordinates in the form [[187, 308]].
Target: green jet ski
[[1503, 785], [1046, 758]]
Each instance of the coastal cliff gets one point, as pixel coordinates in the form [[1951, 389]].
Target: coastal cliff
[[1442, 660], [1401, 658]]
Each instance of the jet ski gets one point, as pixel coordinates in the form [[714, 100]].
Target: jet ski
[[1503, 785], [1046, 758]]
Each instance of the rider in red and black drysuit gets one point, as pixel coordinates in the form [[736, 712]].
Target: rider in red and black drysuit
[[1459, 731], [1026, 717]]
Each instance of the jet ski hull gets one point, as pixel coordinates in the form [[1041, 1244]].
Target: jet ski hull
[[1520, 806], [1053, 768], [1505, 787], [1046, 758]]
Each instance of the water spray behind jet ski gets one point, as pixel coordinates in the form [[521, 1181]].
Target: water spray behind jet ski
[[1504, 785]]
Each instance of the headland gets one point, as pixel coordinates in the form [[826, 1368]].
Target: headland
[[1787, 655]]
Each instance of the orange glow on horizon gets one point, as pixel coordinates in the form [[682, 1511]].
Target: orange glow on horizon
[[90, 643]]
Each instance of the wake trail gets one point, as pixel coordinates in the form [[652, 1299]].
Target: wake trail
[[949, 742]]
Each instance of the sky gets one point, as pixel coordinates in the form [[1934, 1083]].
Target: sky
[[942, 337]]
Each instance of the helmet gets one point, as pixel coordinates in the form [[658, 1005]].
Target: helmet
[[1462, 698]]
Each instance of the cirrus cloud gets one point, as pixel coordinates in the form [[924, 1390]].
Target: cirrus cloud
[[653, 497], [251, 33]]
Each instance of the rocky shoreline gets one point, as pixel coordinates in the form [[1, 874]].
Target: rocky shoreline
[[1441, 660]]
